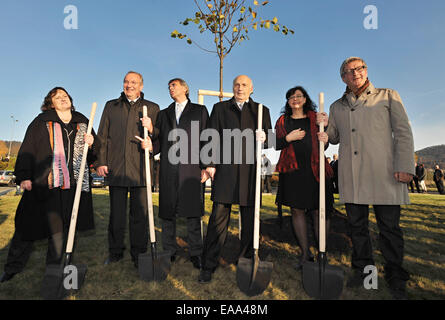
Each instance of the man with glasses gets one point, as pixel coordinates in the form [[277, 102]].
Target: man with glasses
[[121, 161], [377, 161]]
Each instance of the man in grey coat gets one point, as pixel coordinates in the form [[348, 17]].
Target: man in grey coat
[[377, 152], [121, 161]]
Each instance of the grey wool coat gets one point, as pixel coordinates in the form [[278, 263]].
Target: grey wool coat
[[376, 141]]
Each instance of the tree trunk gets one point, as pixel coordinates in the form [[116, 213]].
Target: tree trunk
[[221, 60]]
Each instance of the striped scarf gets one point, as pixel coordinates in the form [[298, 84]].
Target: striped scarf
[[59, 175]]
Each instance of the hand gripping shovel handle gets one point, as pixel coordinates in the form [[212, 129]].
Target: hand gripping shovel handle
[[148, 184], [322, 204], [256, 226], [73, 222]]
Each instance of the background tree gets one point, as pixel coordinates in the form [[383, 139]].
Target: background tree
[[229, 21]]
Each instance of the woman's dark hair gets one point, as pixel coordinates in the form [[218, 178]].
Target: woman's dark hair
[[308, 106], [48, 101]]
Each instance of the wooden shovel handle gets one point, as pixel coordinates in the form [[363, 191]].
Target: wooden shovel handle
[[73, 222], [151, 223], [256, 226]]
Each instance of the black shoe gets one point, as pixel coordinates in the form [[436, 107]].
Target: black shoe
[[7, 276], [355, 280], [205, 276], [397, 287], [196, 260], [112, 258]]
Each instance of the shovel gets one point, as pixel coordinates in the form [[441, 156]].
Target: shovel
[[59, 279], [154, 266], [321, 280], [253, 275]]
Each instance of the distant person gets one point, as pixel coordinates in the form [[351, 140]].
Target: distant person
[[334, 166], [438, 179], [377, 161], [156, 168], [298, 165], [421, 177], [47, 169], [121, 161], [416, 177], [266, 172]]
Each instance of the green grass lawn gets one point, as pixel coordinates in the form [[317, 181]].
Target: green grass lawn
[[423, 224]]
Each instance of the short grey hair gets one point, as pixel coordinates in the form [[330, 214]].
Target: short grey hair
[[183, 83], [137, 73], [349, 60]]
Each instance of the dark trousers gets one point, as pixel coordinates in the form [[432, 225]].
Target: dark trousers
[[194, 236], [217, 233], [416, 182], [265, 184], [20, 250], [439, 185], [137, 220], [390, 238]]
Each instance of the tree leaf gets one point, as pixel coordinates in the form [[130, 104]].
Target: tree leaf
[[274, 20], [189, 41], [255, 2], [235, 29]]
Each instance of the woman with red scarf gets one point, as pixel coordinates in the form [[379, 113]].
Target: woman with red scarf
[[298, 166]]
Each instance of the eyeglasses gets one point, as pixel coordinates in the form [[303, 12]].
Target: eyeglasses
[[296, 96], [351, 71]]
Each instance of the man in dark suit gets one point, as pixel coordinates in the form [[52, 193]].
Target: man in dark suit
[[121, 161], [181, 177], [233, 174]]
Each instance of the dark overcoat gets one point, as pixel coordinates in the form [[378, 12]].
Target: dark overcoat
[[34, 163], [119, 149], [234, 180], [180, 189]]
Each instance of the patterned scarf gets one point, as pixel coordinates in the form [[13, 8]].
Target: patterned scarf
[[288, 162], [59, 175], [360, 90]]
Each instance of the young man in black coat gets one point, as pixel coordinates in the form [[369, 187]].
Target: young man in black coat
[[121, 161], [181, 177], [233, 174]]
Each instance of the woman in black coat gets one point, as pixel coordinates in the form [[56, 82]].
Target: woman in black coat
[[47, 168]]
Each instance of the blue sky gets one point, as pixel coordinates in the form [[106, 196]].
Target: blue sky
[[405, 53]]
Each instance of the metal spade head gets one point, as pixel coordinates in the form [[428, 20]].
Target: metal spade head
[[321, 280], [59, 280], [252, 275], [154, 268]]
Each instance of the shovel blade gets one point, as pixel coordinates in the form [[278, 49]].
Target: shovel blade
[[253, 277], [154, 269], [59, 280], [331, 276]]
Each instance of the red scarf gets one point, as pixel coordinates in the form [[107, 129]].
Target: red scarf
[[288, 161]]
